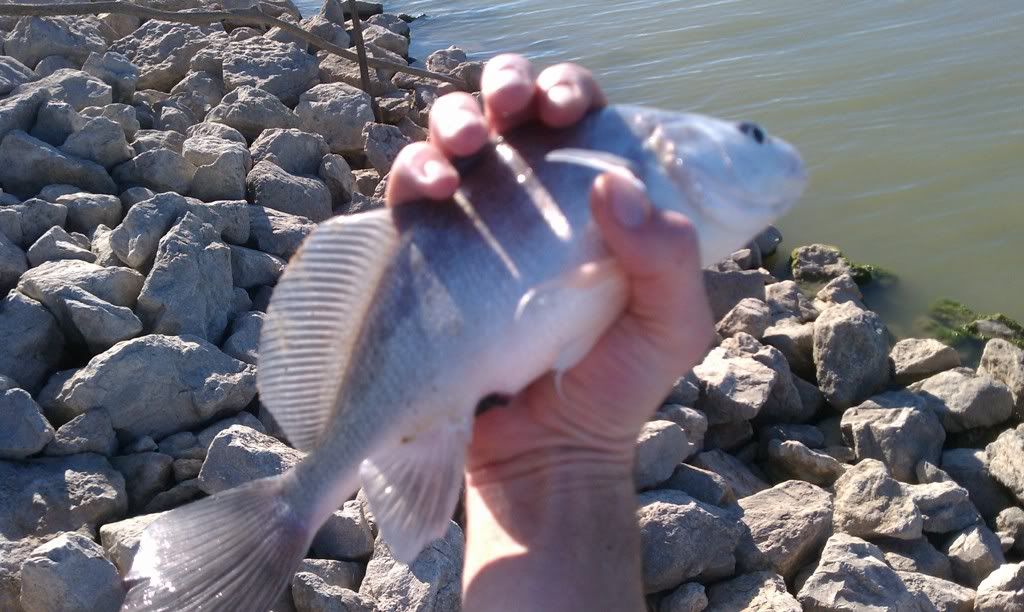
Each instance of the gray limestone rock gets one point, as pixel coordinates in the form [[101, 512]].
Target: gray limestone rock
[[733, 388], [915, 556], [122, 114], [682, 539], [54, 281], [1010, 524], [750, 316], [70, 573], [72, 86], [337, 69], [221, 167], [336, 111], [382, 143], [1002, 590], [32, 341], [121, 539], [115, 70], [157, 169], [819, 263], [852, 576], [738, 476], [251, 268], [199, 91], [337, 174], [346, 535], [189, 289], [162, 51], [688, 597], [755, 591], [916, 358], [100, 140], [23, 429], [28, 164], [216, 130], [789, 523], [726, 289], [271, 187], [294, 151], [969, 468], [946, 596], [796, 342], [1004, 362], [206, 435], [327, 586], [945, 506], [702, 485], [870, 504], [851, 353], [12, 74], [56, 121], [661, 446], [87, 211], [788, 304], [974, 553], [839, 290], [784, 402], [13, 263], [792, 459], [966, 400], [243, 343], [52, 63], [432, 582], [151, 140], [894, 428], [18, 111], [34, 38], [190, 381], [100, 247], [1004, 459], [281, 69], [251, 110], [145, 475], [239, 454], [90, 432]]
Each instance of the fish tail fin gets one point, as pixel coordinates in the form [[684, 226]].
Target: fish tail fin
[[236, 550]]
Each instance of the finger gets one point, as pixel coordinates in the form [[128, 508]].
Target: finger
[[566, 93], [457, 125], [658, 251], [421, 171], [508, 91]]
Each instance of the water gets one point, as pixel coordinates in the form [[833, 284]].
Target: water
[[910, 114]]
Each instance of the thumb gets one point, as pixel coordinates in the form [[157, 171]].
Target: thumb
[[658, 252]]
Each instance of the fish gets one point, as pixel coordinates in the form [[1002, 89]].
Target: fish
[[388, 327]]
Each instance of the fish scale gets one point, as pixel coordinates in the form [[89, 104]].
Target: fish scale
[[388, 327]]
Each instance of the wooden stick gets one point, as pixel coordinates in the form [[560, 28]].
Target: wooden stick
[[250, 17], [364, 70]]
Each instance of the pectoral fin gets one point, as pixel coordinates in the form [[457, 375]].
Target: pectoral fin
[[413, 488]]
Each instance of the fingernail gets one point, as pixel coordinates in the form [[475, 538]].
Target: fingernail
[[630, 209], [562, 95], [506, 77], [457, 121], [434, 170]]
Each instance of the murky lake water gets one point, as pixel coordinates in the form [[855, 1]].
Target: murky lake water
[[910, 114]]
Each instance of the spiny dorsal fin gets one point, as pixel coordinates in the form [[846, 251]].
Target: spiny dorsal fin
[[314, 318]]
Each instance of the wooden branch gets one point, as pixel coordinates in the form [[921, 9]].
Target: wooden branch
[[364, 71], [249, 17]]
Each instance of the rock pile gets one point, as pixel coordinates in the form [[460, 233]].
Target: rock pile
[[156, 177]]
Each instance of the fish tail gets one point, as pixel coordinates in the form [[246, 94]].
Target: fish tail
[[236, 550]]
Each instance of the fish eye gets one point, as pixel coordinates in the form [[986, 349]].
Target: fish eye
[[753, 130]]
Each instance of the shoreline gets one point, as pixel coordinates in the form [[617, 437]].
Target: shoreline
[[156, 178]]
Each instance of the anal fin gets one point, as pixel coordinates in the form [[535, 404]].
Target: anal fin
[[413, 488]]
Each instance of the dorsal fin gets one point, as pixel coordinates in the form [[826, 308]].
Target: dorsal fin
[[314, 318]]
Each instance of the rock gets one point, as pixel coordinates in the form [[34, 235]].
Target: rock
[[791, 459], [755, 591], [326, 29], [969, 468], [789, 523], [294, 151], [145, 475], [206, 435], [819, 263], [1004, 460], [689, 597], [277, 232], [90, 432], [728, 436], [1010, 523], [965, 400], [221, 167], [1004, 362], [784, 401], [12, 74], [281, 69], [733, 388], [750, 316], [23, 429], [52, 63], [337, 69], [133, 195], [432, 582], [809, 435], [796, 343], [693, 422], [366, 180], [869, 503], [787, 303], [24, 223], [740, 479], [251, 268], [946, 596], [182, 445], [153, 140], [34, 38], [44, 497], [894, 428], [346, 535], [661, 446], [188, 378], [18, 111], [945, 506], [121, 539], [122, 25], [54, 282], [326, 586], [251, 110], [115, 70], [121, 114], [336, 173], [243, 343], [974, 553], [56, 121], [72, 86], [174, 116], [852, 575], [199, 92], [13, 263], [240, 454], [702, 485], [271, 187], [70, 574], [668, 560], [157, 169], [100, 140], [915, 359], [915, 556], [384, 38], [189, 289], [1002, 590], [726, 289], [178, 495], [338, 112], [851, 352], [87, 211], [382, 143], [839, 290], [28, 164], [162, 51], [94, 322], [217, 130], [32, 341]]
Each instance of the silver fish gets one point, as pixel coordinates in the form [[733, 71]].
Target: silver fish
[[389, 326]]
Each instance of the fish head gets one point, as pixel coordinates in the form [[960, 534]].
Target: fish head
[[731, 179]]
